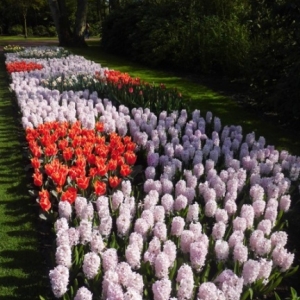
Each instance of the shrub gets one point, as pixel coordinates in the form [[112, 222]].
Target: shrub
[[40, 30], [16, 30]]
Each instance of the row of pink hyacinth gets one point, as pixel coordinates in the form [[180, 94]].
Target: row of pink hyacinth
[[210, 196]]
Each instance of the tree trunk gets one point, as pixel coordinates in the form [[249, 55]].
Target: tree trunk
[[80, 23], [25, 25], [67, 37]]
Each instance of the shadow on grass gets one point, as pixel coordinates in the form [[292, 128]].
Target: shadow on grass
[[23, 260]]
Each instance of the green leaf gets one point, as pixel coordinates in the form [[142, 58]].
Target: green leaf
[[54, 193], [245, 295], [41, 297], [28, 167], [251, 293], [291, 272], [33, 193], [173, 271], [277, 296], [43, 216]]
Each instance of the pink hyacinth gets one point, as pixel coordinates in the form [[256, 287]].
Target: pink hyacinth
[[196, 228], [124, 273], [59, 278], [91, 265], [210, 208], [61, 224], [271, 214], [136, 238], [167, 186], [185, 271], [109, 259], [114, 292], [250, 271], [126, 188], [198, 253], [167, 202], [177, 226], [87, 212], [116, 199], [159, 213], [147, 215], [105, 226], [198, 170], [247, 212], [150, 172], [161, 265], [240, 253], [62, 238], [96, 242], [221, 250], [123, 223], [180, 203], [193, 213], [265, 269], [185, 289], [230, 284], [162, 289], [279, 238], [133, 256], [265, 226], [160, 231], [83, 294], [285, 202], [221, 215], [236, 238], [132, 294], [74, 236], [187, 237], [259, 207], [102, 205], [208, 291], [151, 199], [136, 282], [239, 224], [256, 192], [170, 250], [63, 256], [256, 238], [218, 230], [80, 203], [230, 207], [190, 194], [64, 209], [141, 226]]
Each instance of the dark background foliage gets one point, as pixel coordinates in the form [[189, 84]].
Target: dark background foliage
[[253, 41]]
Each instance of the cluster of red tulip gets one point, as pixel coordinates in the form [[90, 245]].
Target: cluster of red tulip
[[22, 66], [75, 160], [118, 78]]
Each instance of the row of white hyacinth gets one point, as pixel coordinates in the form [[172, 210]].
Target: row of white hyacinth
[[207, 224]]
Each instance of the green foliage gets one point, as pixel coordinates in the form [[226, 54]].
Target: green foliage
[[16, 30], [52, 31], [40, 30], [117, 27], [275, 35], [176, 35]]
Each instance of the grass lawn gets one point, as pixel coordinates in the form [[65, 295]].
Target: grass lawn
[[21, 263]]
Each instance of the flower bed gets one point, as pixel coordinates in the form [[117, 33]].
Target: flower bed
[[151, 205]]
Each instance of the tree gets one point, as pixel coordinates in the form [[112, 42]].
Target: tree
[[69, 35], [23, 6]]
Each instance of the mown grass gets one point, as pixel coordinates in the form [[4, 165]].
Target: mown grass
[[22, 271]]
